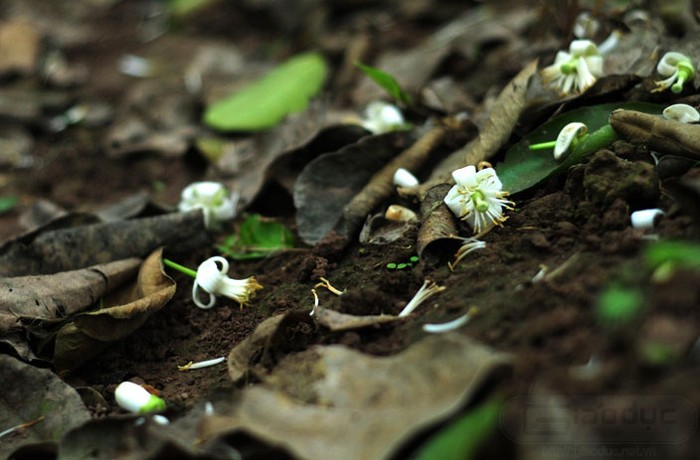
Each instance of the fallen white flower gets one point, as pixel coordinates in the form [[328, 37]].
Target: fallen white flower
[[577, 70], [212, 198], [215, 282], [382, 117]]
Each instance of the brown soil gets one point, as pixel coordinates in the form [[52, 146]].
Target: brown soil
[[550, 327]]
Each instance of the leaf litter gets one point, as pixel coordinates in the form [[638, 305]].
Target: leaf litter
[[535, 281]]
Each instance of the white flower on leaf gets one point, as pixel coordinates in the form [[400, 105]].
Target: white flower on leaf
[[568, 137], [215, 282], [682, 112], [382, 117], [678, 68], [577, 70], [212, 198], [477, 198]]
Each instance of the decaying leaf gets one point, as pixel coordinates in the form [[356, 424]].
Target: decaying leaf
[[334, 402], [507, 110], [337, 321], [660, 134], [55, 250], [121, 314], [29, 393], [438, 228], [381, 184], [259, 347], [27, 300], [330, 181]]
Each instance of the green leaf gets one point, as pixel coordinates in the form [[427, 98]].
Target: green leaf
[[387, 82], [7, 203], [257, 238], [524, 168], [461, 439], [265, 103], [619, 305], [677, 253], [180, 8]]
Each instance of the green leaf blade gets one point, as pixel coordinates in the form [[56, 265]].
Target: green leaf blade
[[461, 439], [386, 81], [524, 168], [264, 104], [257, 238]]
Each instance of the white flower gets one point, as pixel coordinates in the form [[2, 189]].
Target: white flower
[[215, 282], [645, 218], [576, 70], [212, 198], [134, 398], [682, 112], [477, 198], [567, 136], [678, 68], [382, 117]]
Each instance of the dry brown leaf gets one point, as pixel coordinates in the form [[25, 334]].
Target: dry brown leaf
[[507, 110], [29, 393], [126, 311], [438, 225], [354, 406], [337, 321]]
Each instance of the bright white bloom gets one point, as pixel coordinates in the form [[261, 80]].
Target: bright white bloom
[[682, 112], [567, 136], [678, 68], [404, 178], [477, 198], [382, 117], [215, 282], [576, 70], [212, 198], [134, 398]]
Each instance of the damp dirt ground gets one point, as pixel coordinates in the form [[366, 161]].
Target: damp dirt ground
[[579, 242]]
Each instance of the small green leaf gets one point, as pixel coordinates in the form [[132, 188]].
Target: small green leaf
[[387, 82], [265, 103], [618, 305], [257, 238], [524, 168], [7, 203], [676, 253], [461, 439]]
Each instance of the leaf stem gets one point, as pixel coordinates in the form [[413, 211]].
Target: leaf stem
[[180, 268]]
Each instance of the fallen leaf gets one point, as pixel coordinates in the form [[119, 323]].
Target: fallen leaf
[[28, 300], [19, 47], [263, 104], [123, 313], [262, 348], [49, 250], [437, 231], [355, 406], [507, 110], [29, 393], [330, 181]]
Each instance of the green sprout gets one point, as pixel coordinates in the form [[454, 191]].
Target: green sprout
[[403, 265], [387, 82]]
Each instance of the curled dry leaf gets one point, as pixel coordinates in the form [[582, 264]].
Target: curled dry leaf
[[52, 250], [438, 228], [29, 393], [26, 301], [122, 313], [661, 135], [267, 341], [381, 183], [321, 393], [507, 110]]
